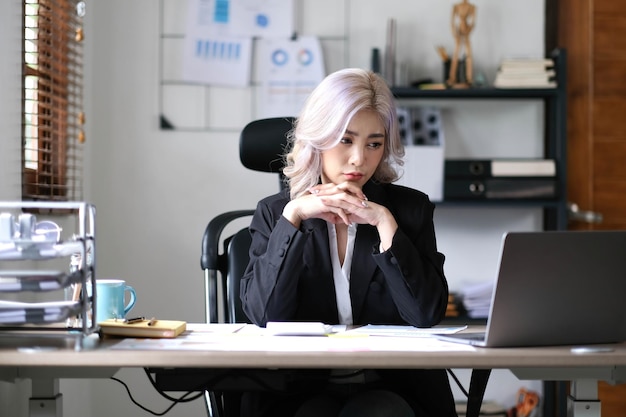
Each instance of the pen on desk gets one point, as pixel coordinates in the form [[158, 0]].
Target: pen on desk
[[152, 321], [135, 320]]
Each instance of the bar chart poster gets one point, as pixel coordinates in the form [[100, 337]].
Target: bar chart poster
[[219, 33]]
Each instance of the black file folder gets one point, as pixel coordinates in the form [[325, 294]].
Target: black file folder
[[500, 188]]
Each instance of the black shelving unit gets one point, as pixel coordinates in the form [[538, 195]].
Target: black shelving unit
[[555, 211], [555, 135]]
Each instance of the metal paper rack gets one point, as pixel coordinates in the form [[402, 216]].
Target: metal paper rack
[[39, 261]]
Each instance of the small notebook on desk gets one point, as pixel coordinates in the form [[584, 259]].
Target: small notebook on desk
[[143, 328], [556, 288]]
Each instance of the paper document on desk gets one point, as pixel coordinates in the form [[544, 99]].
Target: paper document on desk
[[403, 331], [299, 328], [197, 336], [251, 338]]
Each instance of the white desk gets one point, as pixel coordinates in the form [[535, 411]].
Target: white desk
[[102, 359]]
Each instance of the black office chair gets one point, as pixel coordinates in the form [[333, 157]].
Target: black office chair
[[261, 146]]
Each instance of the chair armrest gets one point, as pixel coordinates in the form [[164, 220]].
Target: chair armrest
[[209, 258]]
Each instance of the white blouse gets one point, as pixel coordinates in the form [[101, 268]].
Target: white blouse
[[341, 274]]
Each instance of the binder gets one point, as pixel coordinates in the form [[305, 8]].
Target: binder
[[481, 168], [500, 188]]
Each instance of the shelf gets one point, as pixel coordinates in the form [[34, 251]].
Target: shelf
[[476, 93], [554, 141], [560, 65]]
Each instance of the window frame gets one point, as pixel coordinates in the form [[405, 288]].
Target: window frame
[[52, 103]]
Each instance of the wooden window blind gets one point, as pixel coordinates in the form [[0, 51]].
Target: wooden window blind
[[53, 118]]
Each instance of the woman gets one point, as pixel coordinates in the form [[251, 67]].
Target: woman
[[345, 246]]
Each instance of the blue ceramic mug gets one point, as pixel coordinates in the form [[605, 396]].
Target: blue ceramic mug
[[111, 299]]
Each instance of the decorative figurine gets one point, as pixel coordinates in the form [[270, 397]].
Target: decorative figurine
[[463, 22]]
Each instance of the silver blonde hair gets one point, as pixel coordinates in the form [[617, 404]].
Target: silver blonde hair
[[324, 118]]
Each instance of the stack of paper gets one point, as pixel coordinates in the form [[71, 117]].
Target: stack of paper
[[402, 331], [477, 299], [526, 73], [15, 312]]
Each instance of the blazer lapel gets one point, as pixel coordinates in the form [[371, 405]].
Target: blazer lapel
[[363, 267], [318, 253]]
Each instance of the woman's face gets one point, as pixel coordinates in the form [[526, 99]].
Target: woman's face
[[359, 152]]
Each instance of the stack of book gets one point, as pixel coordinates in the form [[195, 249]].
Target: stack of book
[[453, 309], [526, 73]]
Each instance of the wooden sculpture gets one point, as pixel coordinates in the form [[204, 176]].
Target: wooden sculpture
[[463, 21]]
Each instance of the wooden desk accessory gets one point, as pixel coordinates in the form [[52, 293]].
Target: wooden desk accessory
[[141, 327]]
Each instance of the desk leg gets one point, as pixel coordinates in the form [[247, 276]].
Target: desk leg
[[583, 399], [478, 384], [46, 399]]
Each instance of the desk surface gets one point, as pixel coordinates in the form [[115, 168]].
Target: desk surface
[[262, 351], [47, 359]]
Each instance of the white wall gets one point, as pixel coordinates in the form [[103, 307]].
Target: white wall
[[156, 190], [10, 100], [10, 150]]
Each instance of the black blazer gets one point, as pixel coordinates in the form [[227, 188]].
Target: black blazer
[[290, 278], [290, 274]]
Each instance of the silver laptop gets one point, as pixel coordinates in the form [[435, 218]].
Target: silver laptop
[[556, 288]]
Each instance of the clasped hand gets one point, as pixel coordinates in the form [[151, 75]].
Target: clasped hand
[[342, 203], [336, 203]]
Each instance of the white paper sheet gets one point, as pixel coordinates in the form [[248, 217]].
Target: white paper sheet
[[404, 331], [288, 71], [261, 18], [252, 338], [218, 38], [294, 328], [212, 53], [243, 18]]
